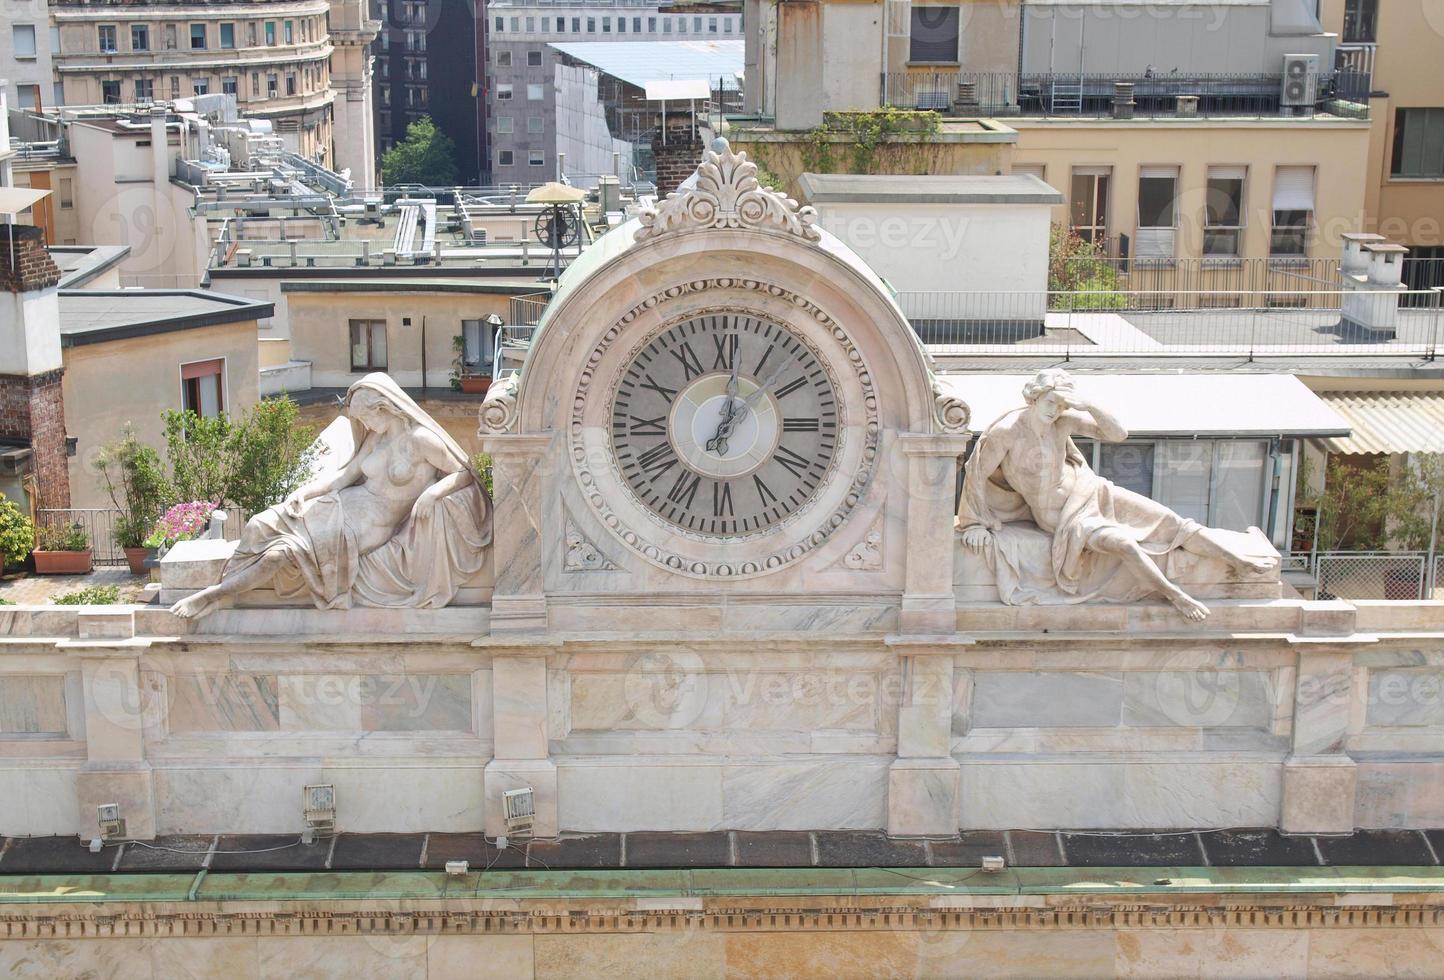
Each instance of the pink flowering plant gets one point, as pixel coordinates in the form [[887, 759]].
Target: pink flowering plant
[[182, 522]]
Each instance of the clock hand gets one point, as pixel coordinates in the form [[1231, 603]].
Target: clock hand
[[719, 442]]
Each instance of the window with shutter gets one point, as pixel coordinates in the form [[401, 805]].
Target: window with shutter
[[1293, 208], [1157, 212]]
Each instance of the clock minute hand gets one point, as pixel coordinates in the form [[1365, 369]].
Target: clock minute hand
[[719, 442]]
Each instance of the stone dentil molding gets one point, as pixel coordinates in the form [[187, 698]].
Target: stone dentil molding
[[728, 195]]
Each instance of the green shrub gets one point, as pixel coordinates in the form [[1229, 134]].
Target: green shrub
[[131, 473], [95, 595], [17, 533], [64, 537]]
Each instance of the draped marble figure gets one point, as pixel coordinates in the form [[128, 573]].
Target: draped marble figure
[[400, 519], [1107, 542]]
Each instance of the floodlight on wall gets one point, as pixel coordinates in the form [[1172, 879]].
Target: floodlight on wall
[[319, 809], [111, 823], [994, 865], [519, 808]]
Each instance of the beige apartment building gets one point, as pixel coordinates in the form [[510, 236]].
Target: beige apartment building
[[1214, 142], [1401, 46], [1217, 190], [274, 56]]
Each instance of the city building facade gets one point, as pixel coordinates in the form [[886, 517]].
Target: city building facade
[[25, 56], [1398, 46], [274, 57], [531, 79], [427, 65]]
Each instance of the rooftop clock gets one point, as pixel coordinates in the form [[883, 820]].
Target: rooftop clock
[[725, 425]]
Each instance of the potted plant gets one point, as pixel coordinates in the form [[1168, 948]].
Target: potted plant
[[64, 549], [17, 533], [461, 379], [183, 522], [131, 474]]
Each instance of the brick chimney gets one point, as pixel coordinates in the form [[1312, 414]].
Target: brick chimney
[[32, 407], [678, 156]]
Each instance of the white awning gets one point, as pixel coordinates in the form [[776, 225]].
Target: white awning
[[678, 89], [1388, 421], [1176, 405], [13, 200]]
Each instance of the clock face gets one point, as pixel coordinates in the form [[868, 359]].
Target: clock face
[[725, 424]]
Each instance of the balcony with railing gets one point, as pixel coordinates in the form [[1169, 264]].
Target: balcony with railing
[[1340, 93]]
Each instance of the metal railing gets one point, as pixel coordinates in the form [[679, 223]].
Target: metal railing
[[1264, 323], [99, 525], [1192, 275], [1354, 68], [1396, 575], [526, 311], [1159, 96]]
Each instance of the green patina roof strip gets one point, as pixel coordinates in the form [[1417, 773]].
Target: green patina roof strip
[[702, 883]]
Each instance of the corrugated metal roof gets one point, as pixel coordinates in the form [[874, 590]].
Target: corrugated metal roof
[[640, 62], [1388, 421]]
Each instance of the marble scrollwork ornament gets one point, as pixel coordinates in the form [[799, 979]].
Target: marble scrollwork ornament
[[953, 414], [498, 409], [582, 555]]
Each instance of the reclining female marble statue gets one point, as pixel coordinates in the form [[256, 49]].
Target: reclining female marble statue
[[1108, 543], [400, 519]]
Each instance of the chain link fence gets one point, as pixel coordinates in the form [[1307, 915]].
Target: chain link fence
[[1396, 575]]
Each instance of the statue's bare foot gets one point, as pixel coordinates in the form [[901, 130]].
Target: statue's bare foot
[[203, 603], [1193, 610]]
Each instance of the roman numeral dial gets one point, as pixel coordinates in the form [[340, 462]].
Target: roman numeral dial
[[725, 424]]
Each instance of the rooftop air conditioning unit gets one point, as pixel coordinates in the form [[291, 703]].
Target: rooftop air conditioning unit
[[1301, 80]]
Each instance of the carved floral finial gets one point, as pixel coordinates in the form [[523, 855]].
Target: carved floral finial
[[727, 194]]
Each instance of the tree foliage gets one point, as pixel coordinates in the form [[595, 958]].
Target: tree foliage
[[132, 474], [1081, 267], [427, 156], [251, 461], [1371, 507]]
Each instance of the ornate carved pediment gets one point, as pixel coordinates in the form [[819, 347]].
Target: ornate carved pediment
[[727, 195]]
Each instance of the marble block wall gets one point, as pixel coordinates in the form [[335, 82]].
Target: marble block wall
[[1320, 717]]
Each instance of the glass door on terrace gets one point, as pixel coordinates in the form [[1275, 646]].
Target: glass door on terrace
[[1088, 204]]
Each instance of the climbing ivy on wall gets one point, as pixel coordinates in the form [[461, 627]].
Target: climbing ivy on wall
[[883, 140]]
